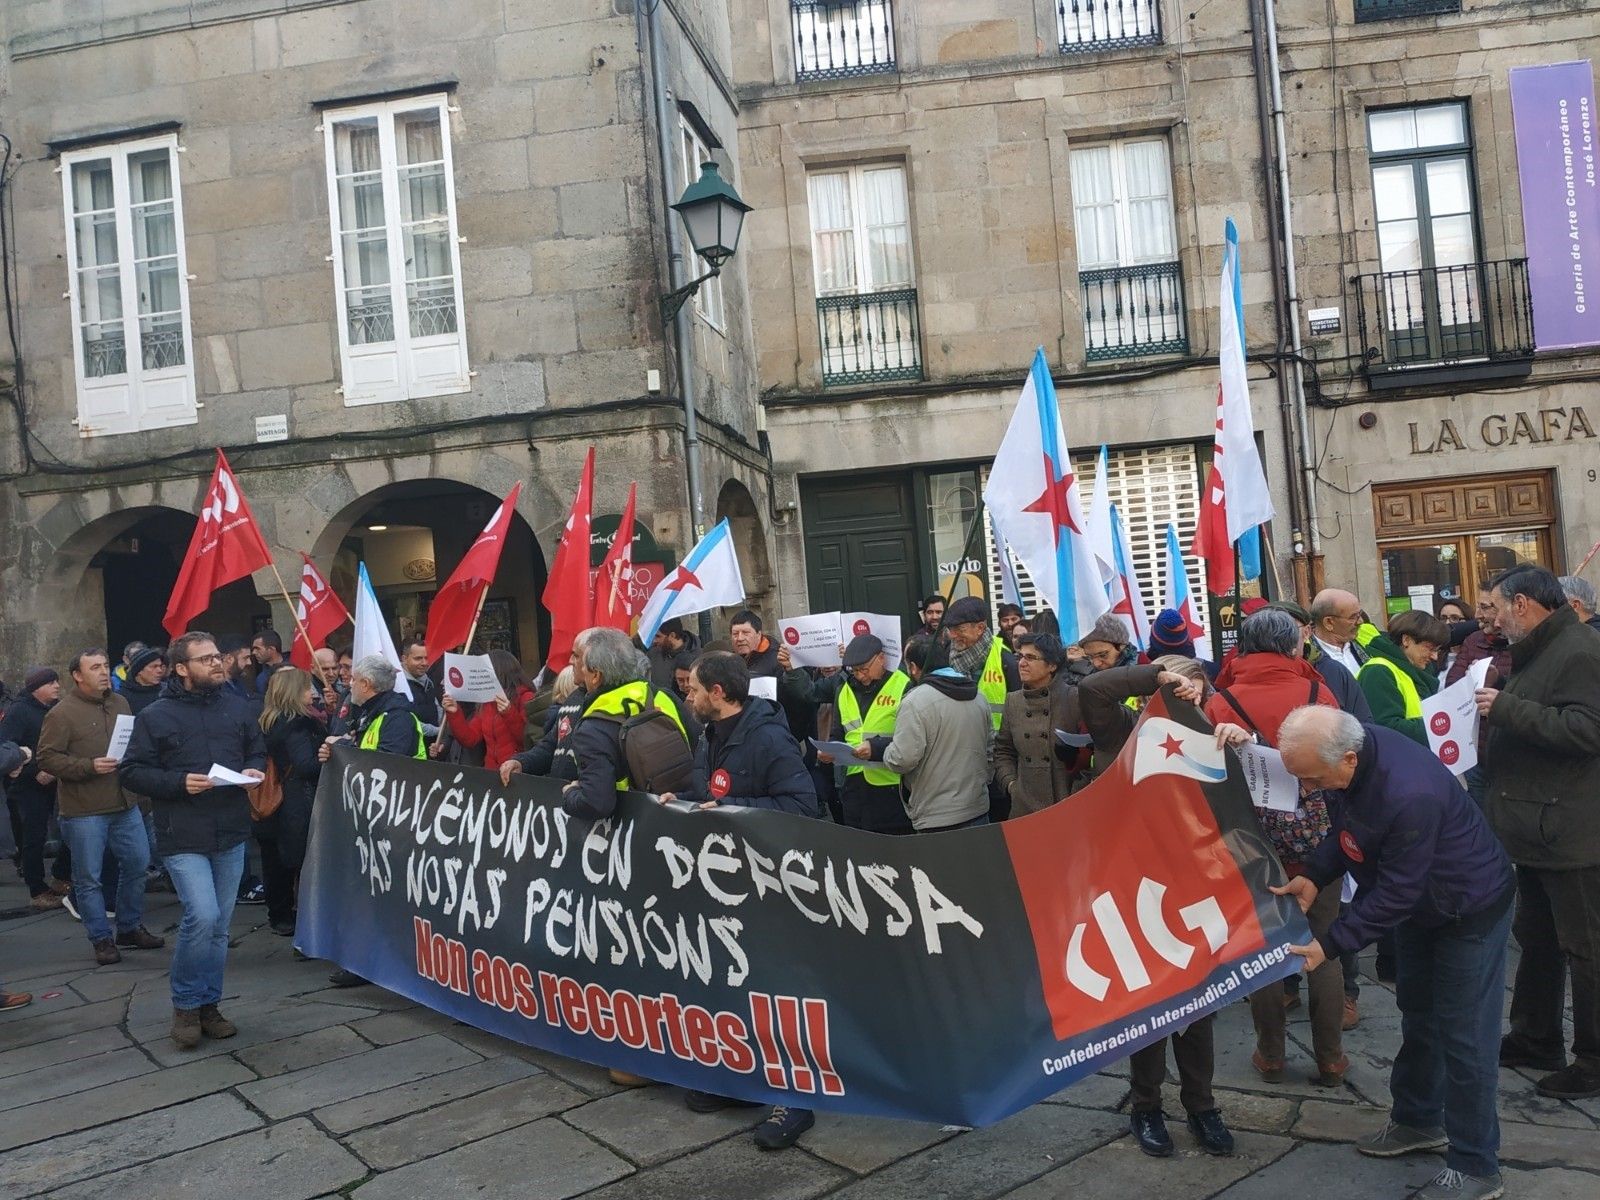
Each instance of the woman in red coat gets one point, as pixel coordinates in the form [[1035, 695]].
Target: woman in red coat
[[497, 727]]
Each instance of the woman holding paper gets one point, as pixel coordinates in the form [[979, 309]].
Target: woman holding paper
[[1396, 677], [497, 726], [294, 733]]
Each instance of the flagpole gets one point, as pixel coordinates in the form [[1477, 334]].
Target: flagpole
[[299, 624], [483, 597], [966, 553]]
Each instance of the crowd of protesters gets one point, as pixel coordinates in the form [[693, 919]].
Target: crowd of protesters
[[973, 723]]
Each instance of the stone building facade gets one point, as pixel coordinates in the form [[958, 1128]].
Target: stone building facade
[[968, 181], [393, 255]]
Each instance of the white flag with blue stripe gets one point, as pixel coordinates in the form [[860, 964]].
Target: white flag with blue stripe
[[708, 578], [372, 631]]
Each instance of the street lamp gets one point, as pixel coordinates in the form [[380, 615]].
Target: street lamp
[[713, 215]]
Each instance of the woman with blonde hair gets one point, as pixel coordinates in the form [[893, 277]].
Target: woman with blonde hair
[[294, 731]]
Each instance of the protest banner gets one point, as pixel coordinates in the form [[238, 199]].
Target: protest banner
[[815, 640], [952, 978], [470, 678], [1450, 717]]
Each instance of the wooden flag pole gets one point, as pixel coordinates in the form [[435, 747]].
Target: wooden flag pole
[[300, 625], [472, 630]]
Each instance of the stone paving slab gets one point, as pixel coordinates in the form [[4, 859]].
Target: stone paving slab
[[50, 1019], [50, 1083], [1122, 1169], [302, 1050], [650, 1125], [461, 1122], [57, 1051], [1093, 1091], [864, 1144], [314, 1087], [110, 983], [102, 1105], [547, 1159], [733, 1169], [1519, 1142], [291, 1161], [386, 1028], [32, 1169], [989, 1162], [377, 1107], [259, 1022], [1337, 1173]]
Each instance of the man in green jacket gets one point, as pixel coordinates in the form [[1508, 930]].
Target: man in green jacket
[[1542, 762]]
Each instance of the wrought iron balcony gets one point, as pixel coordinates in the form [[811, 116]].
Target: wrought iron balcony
[[837, 39], [1133, 312], [1393, 10], [872, 338], [1086, 25], [1438, 324]]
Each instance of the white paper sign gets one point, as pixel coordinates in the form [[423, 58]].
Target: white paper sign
[[1271, 785], [764, 686], [227, 777], [1451, 718], [120, 733], [471, 678], [813, 641], [1347, 889], [841, 751]]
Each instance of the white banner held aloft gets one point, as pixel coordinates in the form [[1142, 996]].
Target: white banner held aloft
[[1450, 717], [1271, 785], [885, 628], [813, 640], [471, 678]]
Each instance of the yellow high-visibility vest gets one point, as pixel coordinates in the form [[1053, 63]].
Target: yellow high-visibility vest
[[623, 702], [370, 735], [879, 720], [992, 683]]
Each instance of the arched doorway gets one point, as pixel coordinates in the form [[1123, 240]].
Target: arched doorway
[[412, 534], [735, 504], [122, 569]]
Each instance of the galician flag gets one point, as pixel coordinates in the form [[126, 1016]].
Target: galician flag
[[1127, 600], [1032, 497], [1234, 500], [1180, 599], [708, 578], [372, 632], [1099, 527]]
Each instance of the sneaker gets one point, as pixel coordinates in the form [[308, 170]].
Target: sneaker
[[105, 952], [256, 893], [784, 1127], [140, 939], [1512, 1054], [45, 902], [10, 1000], [344, 978], [71, 906], [1211, 1133], [214, 1025], [1457, 1185], [186, 1028], [1270, 1069], [1150, 1132], [1393, 1140], [1352, 1014], [710, 1102], [1576, 1082], [1331, 1074], [283, 928]]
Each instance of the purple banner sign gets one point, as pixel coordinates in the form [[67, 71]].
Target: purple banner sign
[[1556, 126]]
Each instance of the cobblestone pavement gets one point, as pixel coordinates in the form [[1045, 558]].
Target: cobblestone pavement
[[357, 1092]]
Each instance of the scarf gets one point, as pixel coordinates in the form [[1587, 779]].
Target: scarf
[[970, 661]]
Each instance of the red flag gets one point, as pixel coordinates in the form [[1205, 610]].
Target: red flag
[[455, 607], [1211, 534], [227, 545], [613, 590], [320, 612], [568, 593]]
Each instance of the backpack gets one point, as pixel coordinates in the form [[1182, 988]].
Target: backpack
[[656, 751]]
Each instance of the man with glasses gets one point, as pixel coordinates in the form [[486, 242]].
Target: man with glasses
[[202, 827], [866, 700], [1335, 617]]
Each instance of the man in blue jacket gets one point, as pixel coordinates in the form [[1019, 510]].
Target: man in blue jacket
[[746, 758], [1429, 868], [201, 826]]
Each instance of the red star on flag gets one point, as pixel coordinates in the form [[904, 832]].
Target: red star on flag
[[1172, 746], [1054, 501], [682, 578]]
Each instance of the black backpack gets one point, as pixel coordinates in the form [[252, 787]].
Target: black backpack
[[655, 749]]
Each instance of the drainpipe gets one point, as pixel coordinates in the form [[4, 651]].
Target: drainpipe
[[677, 276], [1308, 462], [1286, 412]]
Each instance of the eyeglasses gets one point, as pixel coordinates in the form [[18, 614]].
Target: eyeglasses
[[204, 658], [1024, 656]]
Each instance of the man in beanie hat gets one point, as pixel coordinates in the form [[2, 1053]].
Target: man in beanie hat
[[34, 790], [978, 654], [146, 671]]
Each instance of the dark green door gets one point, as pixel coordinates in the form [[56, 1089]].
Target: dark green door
[[861, 544]]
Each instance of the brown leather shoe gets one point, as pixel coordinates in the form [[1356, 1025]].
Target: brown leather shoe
[[214, 1025], [141, 939], [627, 1078], [61, 887], [44, 902], [1331, 1074], [1270, 1069], [186, 1028], [1352, 1014], [10, 1000], [105, 952]]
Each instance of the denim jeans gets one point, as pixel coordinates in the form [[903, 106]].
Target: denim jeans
[[207, 886], [1450, 987], [118, 837]]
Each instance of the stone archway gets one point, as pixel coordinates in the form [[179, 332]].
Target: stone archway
[[735, 504], [412, 534]]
